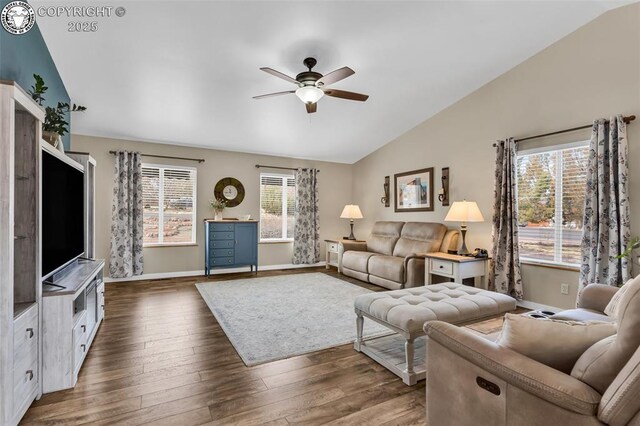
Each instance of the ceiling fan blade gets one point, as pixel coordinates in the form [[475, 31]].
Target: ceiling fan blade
[[280, 75], [352, 96], [311, 108], [335, 76], [268, 95]]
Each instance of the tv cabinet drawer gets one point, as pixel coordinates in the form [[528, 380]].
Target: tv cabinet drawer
[[25, 328], [80, 334], [100, 306], [25, 376]]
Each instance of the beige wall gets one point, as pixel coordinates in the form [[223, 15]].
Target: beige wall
[[334, 181], [594, 72]]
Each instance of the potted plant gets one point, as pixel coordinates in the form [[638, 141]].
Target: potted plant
[[55, 124], [218, 206], [633, 245]]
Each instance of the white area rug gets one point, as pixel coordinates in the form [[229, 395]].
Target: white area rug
[[273, 318]]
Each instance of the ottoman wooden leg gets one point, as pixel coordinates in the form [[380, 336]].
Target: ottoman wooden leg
[[409, 373], [359, 327]]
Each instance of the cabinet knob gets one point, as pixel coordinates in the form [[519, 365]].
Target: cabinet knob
[[84, 348], [30, 333], [440, 266], [84, 328], [29, 375]]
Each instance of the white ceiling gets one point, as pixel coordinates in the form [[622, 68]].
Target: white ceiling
[[184, 72]]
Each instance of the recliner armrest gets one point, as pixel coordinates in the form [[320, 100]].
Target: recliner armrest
[[516, 369], [596, 296], [353, 245]]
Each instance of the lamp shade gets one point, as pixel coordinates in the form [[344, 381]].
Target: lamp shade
[[309, 94], [351, 211], [464, 211]]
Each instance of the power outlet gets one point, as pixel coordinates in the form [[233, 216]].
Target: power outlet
[[564, 288]]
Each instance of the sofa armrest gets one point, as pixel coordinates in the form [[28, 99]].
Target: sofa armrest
[[353, 245], [596, 296], [516, 369]]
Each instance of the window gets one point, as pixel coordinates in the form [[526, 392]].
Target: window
[[551, 187], [277, 204], [169, 199]]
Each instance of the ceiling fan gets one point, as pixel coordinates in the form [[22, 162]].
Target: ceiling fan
[[311, 85]]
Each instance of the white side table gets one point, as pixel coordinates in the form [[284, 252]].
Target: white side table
[[456, 267], [332, 248]]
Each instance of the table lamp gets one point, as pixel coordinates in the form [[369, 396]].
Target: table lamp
[[351, 211], [464, 211]]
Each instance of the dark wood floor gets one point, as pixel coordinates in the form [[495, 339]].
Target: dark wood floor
[[161, 358]]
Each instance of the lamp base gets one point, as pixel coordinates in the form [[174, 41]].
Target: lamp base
[[351, 236], [463, 249]]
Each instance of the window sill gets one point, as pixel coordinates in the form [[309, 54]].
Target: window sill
[[550, 265], [276, 241], [169, 245]]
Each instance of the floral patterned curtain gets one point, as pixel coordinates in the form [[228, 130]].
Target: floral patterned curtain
[[306, 233], [606, 227], [126, 217], [505, 276]]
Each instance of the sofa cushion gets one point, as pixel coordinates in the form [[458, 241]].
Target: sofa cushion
[[419, 237], [602, 362], [356, 260], [555, 343], [389, 267], [581, 314], [384, 237]]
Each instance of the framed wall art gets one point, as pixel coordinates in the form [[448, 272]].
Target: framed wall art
[[414, 191]]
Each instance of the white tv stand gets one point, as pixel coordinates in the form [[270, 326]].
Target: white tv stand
[[71, 315]]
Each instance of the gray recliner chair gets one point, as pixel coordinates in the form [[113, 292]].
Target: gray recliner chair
[[473, 381]]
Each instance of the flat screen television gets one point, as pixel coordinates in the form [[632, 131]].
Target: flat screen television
[[62, 213]]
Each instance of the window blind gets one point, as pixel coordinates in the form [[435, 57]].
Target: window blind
[[169, 198], [551, 187], [277, 207]]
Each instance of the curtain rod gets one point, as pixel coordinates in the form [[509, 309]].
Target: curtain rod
[[627, 120], [258, 166], [199, 160]]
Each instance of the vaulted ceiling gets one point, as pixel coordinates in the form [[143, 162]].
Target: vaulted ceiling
[[185, 72]]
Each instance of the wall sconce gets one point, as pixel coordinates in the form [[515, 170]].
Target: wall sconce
[[443, 193], [385, 199]]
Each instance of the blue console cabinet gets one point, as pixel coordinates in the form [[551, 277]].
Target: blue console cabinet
[[230, 244]]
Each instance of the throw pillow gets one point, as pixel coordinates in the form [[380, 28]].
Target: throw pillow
[[555, 343], [612, 307]]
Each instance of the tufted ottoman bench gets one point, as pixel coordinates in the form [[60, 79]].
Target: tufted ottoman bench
[[405, 312]]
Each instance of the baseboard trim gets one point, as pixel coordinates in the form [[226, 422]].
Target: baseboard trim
[[533, 305], [179, 274]]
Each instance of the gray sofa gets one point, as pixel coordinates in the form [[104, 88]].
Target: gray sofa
[[391, 256]]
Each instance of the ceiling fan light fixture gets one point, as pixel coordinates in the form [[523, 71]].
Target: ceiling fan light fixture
[[309, 94]]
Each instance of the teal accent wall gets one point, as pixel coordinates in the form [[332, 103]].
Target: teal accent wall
[[23, 55]]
